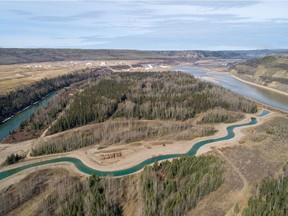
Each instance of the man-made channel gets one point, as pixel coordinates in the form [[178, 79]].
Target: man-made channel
[[225, 80], [15, 121], [90, 171]]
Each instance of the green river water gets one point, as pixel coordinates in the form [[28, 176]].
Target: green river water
[[88, 170]]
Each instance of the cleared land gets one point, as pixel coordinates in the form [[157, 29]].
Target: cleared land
[[258, 152], [19, 75], [131, 154], [253, 154], [261, 152]]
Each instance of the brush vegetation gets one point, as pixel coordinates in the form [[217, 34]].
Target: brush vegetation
[[140, 96], [270, 197], [270, 71], [119, 132], [169, 188], [220, 115], [16, 100], [166, 95], [13, 158]]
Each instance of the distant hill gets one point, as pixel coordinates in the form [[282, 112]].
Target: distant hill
[[271, 71], [15, 56]]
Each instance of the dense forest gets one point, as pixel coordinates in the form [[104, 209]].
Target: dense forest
[[34, 126], [173, 188], [270, 197], [91, 200], [168, 188], [165, 95], [16, 100]]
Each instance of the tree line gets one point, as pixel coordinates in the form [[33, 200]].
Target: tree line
[[165, 95], [36, 124], [124, 131], [220, 115], [167, 188], [174, 188], [270, 197], [16, 100]]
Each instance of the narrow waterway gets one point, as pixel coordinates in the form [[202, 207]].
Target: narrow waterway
[[90, 171], [262, 95], [15, 121]]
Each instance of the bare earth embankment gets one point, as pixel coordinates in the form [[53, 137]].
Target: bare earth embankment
[[131, 154], [269, 71], [261, 152], [247, 158], [261, 86], [254, 153]]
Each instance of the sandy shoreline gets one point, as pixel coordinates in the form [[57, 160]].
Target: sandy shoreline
[[260, 86], [133, 156], [209, 70]]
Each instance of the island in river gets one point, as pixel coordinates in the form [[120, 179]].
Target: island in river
[[146, 117]]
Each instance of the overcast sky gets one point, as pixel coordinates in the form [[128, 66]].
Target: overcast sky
[[145, 25]]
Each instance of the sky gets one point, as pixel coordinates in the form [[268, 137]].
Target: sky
[[145, 24]]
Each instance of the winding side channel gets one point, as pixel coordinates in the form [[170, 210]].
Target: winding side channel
[[90, 171]]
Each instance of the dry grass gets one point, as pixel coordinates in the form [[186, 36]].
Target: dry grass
[[13, 76], [120, 132], [17, 75], [25, 197], [262, 152]]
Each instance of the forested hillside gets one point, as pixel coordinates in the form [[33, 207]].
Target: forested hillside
[[165, 95], [168, 188], [15, 101], [16, 56]]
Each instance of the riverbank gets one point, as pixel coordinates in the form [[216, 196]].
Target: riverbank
[[13, 122], [268, 97], [260, 86], [225, 71], [88, 156]]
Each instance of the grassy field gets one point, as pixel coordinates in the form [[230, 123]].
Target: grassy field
[[18, 75], [262, 153]]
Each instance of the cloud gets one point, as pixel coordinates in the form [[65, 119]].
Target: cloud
[[143, 24]]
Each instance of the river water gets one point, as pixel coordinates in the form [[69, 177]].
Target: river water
[[15, 121], [262, 95]]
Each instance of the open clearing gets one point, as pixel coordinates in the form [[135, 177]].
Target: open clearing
[[131, 154], [247, 159], [17, 75]]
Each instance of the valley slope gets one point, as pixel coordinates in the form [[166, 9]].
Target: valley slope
[[270, 71]]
